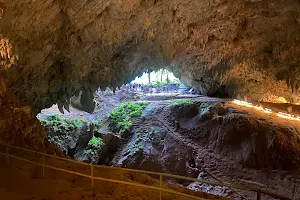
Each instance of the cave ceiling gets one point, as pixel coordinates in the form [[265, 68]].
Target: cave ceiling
[[52, 50]]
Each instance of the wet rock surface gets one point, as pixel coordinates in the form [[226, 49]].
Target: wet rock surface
[[221, 48]]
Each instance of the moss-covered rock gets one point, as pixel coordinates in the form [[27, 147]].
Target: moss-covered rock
[[68, 134]]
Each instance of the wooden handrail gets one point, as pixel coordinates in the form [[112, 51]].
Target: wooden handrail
[[161, 175], [105, 179]]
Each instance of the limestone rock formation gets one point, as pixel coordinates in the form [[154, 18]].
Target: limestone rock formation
[[84, 101], [220, 47], [19, 126]]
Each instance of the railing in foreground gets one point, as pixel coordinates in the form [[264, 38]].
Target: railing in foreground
[[160, 175]]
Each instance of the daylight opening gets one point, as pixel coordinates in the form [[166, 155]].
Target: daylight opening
[[159, 82]]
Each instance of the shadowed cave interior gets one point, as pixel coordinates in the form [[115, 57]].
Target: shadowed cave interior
[[69, 87]]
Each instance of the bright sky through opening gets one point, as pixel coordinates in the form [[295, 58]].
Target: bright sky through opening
[[154, 77]]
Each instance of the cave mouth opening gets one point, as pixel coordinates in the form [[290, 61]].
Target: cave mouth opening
[[81, 134], [156, 82], [156, 78], [159, 82]]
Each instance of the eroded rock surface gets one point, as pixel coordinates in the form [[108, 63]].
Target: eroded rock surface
[[220, 47], [20, 127]]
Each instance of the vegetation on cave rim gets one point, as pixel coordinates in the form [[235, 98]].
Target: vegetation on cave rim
[[57, 124], [58, 129], [179, 102], [54, 123], [121, 116]]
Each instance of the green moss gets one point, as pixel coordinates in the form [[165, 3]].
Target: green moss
[[121, 117], [180, 102]]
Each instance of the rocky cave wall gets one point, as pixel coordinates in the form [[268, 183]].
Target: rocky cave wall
[[19, 125], [231, 47]]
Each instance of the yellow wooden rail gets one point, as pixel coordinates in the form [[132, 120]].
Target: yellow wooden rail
[[160, 175]]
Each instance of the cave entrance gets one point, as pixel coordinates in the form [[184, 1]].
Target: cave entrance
[[159, 82], [118, 113]]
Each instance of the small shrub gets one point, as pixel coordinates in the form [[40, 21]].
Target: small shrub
[[96, 142], [75, 122], [121, 117]]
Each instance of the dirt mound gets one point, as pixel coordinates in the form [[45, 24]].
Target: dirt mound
[[249, 141]]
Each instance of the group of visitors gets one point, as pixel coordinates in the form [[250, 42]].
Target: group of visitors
[[151, 89], [136, 87]]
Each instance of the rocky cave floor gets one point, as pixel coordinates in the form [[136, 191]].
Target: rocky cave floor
[[199, 137]]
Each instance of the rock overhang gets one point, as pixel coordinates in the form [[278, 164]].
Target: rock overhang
[[219, 47]]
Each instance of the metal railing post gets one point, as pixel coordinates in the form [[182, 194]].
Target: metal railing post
[[160, 185], [258, 197], [43, 166], [92, 176], [7, 155]]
